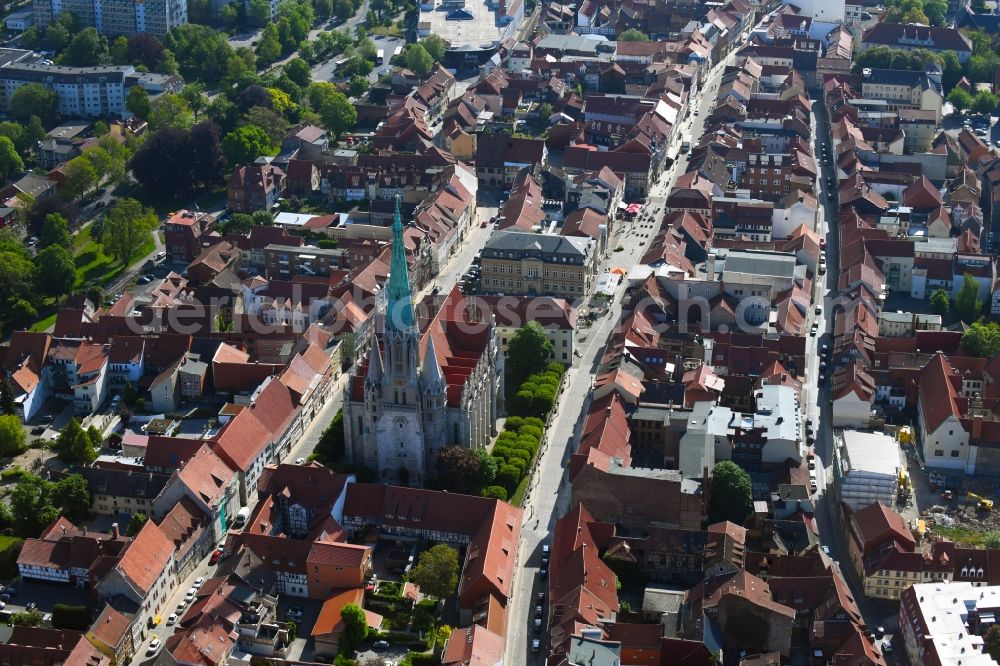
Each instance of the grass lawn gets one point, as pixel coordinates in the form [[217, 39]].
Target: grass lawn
[[518, 497], [972, 538], [42, 324], [93, 265]]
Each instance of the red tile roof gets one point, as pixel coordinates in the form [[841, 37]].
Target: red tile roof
[[876, 524], [146, 557], [473, 646], [206, 475], [241, 440]]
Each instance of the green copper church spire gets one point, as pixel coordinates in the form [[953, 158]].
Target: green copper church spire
[[399, 301]]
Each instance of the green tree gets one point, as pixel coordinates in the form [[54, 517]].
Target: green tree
[[269, 47], [991, 642], [337, 112], [18, 135], [460, 469], [355, 628], [324, 8], [202, 53], [936, 11], [171, 111], [135, 524], [76, 445], [10, 161], [329, 449], [30, 504], [72, 495], [967, 303], [291, 628], [193, 95], [17, 274], [245, 144], [88, 48], [259, 13], [75, 618], [12, 439], [103, 162], [435, 46], [732, 493], [960, 99], [20, 313], [34, 99], [416, 58], [7, 407], [437, 571], [357, 86], [529, 349], [274, 126], [55, 271], [126, 228], [298, 70], [138, 104], [118, 51], [985, 102], [80, 178], [487, 468], [633, 35], [992, 540], [496, 492], [26, 618], [940, 302], [982, 340], [229, 16]]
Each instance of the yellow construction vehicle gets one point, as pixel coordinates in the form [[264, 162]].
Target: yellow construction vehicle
[[903, 490], [905, 436], [984, 504]]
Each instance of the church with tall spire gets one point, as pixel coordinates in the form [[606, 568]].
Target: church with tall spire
[[422, 387]]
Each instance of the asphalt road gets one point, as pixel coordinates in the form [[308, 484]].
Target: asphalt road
[[818, 396], [549, 492]]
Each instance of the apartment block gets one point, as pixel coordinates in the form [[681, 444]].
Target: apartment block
[[116, 17]]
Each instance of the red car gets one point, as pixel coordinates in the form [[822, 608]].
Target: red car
[[216, 556]]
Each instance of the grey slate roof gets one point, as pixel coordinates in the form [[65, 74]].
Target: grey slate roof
[[542, 246]]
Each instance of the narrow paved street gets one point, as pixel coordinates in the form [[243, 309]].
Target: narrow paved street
[[818, 394]]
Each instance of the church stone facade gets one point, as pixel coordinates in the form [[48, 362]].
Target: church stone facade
[[417, 392]]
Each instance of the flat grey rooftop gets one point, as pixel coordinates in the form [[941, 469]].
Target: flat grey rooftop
[[482, 30]]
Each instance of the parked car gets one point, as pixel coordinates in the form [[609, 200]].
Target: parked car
[[154, 645], [380, 645], [38, 430], [879, 631], [172, 619], [216, 556], [300, 461], [31, 605], [199, 581], [536, 645]]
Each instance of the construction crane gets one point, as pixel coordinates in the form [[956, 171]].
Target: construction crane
[[984, 504]]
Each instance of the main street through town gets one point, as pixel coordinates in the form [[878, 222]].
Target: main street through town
[[818, 399], [549, 494]]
